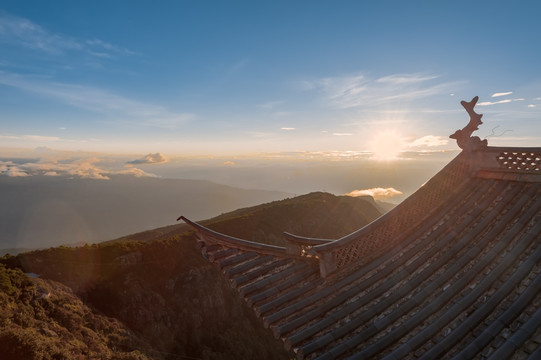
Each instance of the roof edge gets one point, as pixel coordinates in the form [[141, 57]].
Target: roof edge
[[207, 235]]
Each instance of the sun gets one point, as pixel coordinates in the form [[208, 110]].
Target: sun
[[387, 145]]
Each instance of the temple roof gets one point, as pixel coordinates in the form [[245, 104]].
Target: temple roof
[[454, 271]]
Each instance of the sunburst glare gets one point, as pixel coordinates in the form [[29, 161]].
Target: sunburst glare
[[387, 145]]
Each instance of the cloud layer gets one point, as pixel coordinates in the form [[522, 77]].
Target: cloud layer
[[87, 168]]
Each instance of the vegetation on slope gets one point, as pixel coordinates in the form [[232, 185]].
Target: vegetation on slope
[[42, 319], [165, 293]]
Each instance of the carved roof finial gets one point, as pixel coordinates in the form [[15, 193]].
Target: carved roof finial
[[463, 137]]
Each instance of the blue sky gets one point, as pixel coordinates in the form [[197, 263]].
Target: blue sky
[[236, 77]]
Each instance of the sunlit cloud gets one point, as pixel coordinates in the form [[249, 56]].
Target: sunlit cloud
[[360, 91], [377, 193], [287, 128], [156, 158], [85, 168], [487, 103], [531, 105], [98, 100], [342, 134], [8, 168], [501, 94], [229, 163], [429, 141], [14, 172], [135, 172]]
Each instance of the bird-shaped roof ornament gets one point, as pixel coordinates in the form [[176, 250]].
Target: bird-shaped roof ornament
[[463, 136]]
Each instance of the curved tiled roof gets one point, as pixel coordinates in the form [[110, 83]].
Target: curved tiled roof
[[454, 271]]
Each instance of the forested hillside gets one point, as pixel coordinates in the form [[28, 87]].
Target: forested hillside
[[160, 297]]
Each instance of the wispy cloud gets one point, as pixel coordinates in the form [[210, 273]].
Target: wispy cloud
[[501, 94], [400, 79], [156, 158], [21, 31], [377, 193], [100, 45], [28, 34], [233, 70], [359, 90], [287, 128], [37, 138], [44, 142], [97, 100], [429, 141], [505, 101], [342, 134], [269, 105], [283, 113], [239, 65]]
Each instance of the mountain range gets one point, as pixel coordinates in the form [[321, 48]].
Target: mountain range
[[150, 295], [44, 211]]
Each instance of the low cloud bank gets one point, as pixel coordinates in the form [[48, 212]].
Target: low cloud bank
[[156, 158], [83, 168], [377, 193]]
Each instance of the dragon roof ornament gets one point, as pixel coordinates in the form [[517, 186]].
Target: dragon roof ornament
[[463, 136]]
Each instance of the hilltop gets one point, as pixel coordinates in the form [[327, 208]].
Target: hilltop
[[316, 214], [156, 285]]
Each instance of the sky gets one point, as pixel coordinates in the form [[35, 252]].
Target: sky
[[170, 79]]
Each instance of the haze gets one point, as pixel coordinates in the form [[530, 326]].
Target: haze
[[353, 98]]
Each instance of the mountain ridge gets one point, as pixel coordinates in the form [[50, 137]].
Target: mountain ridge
[[43, 211], [161, 290]]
